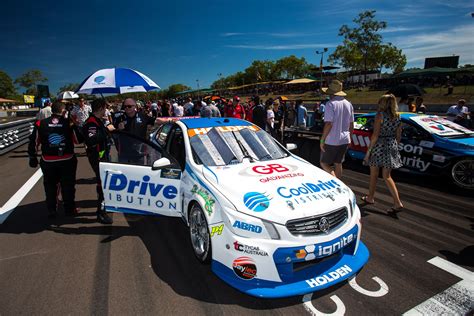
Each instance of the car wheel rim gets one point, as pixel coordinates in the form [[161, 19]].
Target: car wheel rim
[[199, 235], [463, 173]]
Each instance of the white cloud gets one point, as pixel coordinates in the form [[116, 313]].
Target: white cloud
[[455, 41], [401, 29], [281, 47]]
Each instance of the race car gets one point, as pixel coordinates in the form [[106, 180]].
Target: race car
[[429, 145], [269, 223]]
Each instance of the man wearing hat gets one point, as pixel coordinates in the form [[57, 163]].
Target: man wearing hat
[[338, 126], [235, 109]]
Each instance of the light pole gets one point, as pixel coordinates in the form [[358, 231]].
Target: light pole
[[321, 63], [197, 82]]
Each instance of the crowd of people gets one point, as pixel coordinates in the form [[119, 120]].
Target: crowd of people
[[62, 124]]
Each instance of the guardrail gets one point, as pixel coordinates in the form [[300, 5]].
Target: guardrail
[[14, 134]]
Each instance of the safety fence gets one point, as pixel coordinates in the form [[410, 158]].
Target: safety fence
[[14, 134]]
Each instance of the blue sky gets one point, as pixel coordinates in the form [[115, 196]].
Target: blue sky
[[183, 41]]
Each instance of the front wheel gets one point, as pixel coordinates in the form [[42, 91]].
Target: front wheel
[[199, 233], [462, 173]]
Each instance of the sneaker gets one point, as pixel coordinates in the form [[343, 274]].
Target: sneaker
[[104, 218]]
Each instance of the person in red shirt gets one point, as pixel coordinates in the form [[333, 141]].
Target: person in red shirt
[[235, 110]]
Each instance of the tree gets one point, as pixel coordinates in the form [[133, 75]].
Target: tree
[[69, 87], [173, 90], [30, 79], [362, 47], [292, 67], [7, 89]]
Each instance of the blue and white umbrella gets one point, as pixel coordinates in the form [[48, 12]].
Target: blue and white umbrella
[[116, 80]]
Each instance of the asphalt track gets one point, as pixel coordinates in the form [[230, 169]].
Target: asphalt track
[[145, 265]]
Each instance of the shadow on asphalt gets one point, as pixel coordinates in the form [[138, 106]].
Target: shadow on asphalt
[[464, 258]]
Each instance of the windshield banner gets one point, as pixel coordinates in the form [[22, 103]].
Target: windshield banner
[[440, 126], [205, 130]]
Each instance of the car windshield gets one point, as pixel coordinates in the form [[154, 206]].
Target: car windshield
[[441, 126], [220, 146]]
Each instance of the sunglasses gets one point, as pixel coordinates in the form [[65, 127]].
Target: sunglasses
[[129, 106]]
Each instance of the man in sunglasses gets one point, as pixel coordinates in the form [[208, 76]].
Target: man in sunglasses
[[135, 123]]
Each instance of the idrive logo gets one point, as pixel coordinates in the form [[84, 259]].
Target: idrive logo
[[256, 201]]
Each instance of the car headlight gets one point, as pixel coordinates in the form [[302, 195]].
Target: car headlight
[[248, 226], [271, 230]]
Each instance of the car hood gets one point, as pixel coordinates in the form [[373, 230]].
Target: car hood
[[279, 190], [459, 144]]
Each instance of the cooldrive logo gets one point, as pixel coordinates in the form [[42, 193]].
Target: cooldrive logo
[[139, 192], [308, 192], [99, 79], [329, 277], [249, 227], [256, 201], [245, 268]]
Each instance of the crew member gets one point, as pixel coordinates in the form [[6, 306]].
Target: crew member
[[96, 136], [132, 122], [58, 162]]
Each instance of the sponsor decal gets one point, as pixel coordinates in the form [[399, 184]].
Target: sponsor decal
[[329, 277], [167, 173], [414, 162], [249, 227], [290, 205], [426, 144], [312, 252], [209, 201], [217, 230], [245, 268], [203, 131], [309, 192], [139, 192], [256, 201], [56, 139], [250, 250], [439, 158], [277, 172], [99, 79], [55, 120]]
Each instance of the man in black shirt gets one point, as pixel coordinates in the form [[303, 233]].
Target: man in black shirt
[[58, 162], [96, 136], [135, 123]]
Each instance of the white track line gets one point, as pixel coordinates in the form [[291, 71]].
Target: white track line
[[456, 300], [16, 199]]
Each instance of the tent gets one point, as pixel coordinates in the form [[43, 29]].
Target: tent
[[302, 80], [435, 71]]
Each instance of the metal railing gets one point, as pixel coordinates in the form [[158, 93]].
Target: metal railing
[[14, 134]]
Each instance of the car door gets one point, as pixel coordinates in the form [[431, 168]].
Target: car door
[[133, 183], [363, 128], [416, 148]]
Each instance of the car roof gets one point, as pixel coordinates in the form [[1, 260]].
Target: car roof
[[214, 122]]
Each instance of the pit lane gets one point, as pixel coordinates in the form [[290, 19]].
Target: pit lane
[[145, 265]]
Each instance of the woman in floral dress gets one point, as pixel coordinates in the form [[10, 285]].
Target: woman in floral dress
[[383, 150]]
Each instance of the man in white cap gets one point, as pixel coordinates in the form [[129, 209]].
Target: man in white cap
[[338, 126]]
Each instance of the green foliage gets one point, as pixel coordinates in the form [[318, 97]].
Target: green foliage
[[266, 70], [30, 79], [7, 89], [363, 49], [69, 87], [173, 90]]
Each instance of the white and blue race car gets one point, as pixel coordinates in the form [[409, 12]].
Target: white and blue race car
[[270, 223]]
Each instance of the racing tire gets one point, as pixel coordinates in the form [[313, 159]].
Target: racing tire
[[462, 173], [199, 234]]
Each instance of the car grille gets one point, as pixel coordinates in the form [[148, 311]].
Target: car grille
[[309, 226]]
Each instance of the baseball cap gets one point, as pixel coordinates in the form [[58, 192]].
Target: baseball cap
[[236, 98]]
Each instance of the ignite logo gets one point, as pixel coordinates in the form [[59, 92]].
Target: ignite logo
[[245, 268]]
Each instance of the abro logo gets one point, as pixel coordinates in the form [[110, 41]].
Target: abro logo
[[270, 168]]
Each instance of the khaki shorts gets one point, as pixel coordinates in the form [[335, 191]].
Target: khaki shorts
[[333, 154]]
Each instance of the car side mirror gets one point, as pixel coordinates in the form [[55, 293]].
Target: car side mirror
[[161, 163], [291, 146]]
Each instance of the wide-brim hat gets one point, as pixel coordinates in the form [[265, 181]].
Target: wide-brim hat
[[335, 88]]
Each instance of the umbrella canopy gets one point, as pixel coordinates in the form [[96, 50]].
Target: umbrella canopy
[[283, 98], [302, 80], [116, 80], [406, 90], [66, 95]]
